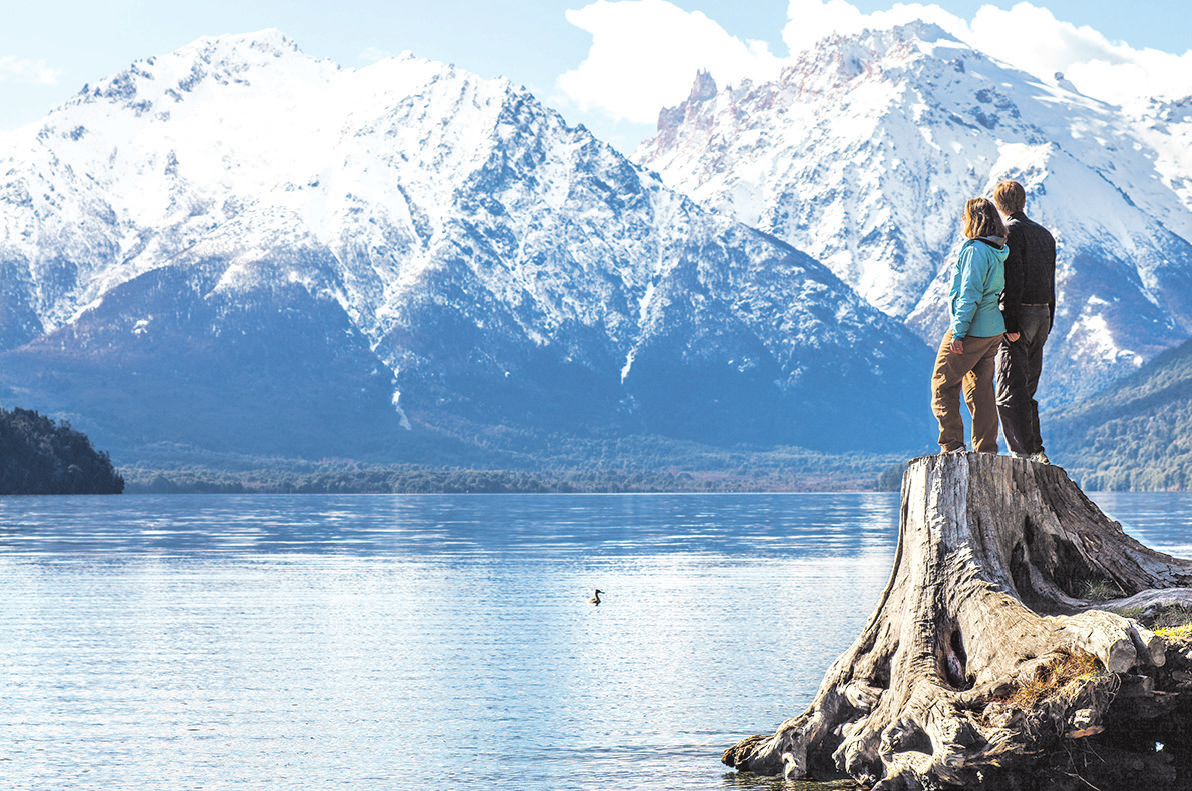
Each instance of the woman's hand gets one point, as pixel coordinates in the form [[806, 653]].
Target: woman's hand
[[957, 346], [1013, 336]]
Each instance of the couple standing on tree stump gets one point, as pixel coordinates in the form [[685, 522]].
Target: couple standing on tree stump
[[1001, 308]]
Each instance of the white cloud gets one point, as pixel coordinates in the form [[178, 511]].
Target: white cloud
[[1032, 39], [811, 20], [25, 70], [1149, 73], [645, 54]]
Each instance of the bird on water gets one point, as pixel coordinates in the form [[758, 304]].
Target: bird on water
[[596, 599]]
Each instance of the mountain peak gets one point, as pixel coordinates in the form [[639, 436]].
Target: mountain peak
[[220, 60], [875, 50], [703, 89], [269, 41], [927, 32]]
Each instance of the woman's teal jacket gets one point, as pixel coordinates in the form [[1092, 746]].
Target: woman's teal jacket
[[978, 277]]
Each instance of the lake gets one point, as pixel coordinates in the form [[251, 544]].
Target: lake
[[432, 641]]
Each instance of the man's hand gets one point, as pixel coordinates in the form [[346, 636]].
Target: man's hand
[[957, 346], [1013, 336]]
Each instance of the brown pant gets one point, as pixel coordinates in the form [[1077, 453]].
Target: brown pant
[[974, 370]]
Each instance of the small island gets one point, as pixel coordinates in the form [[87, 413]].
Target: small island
[[41, 456], [1023, 641]]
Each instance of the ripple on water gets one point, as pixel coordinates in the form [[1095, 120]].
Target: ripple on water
[[392, 642]]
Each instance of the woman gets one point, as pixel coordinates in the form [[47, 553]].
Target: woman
[[969, 348]]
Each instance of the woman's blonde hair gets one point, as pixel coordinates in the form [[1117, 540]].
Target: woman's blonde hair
[[981, 219]]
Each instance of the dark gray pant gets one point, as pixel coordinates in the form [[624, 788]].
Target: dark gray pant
[[1018, 367]]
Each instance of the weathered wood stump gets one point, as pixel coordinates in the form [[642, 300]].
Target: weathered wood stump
[[988, 662]]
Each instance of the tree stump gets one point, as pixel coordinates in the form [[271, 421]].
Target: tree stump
[[988, 661]]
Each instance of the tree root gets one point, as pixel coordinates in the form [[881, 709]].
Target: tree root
[[982, 663]]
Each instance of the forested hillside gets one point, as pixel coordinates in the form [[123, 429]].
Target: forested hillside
[[40, 456], [1136, 435]]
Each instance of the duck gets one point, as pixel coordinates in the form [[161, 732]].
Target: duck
[[596, 599]]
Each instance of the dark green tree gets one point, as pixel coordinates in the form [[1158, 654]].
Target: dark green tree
[[40, 456]]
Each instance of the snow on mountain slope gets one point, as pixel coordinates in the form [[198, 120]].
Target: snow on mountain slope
[[447, 238], [863, 152], [228, 141]]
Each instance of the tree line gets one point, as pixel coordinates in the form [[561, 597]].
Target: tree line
[[645, 466], [467, 481]]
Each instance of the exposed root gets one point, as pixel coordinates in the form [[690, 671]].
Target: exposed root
[[989, 661]]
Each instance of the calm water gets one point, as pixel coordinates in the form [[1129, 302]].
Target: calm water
[[431, 642]]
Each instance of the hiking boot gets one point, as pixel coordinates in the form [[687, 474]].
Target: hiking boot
[[961, 449], [1040, 457]]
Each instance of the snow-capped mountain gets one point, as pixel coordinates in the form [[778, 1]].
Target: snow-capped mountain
[[863, 152], [238, 247]]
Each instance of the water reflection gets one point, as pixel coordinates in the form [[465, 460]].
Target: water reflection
[[447, 526], [1161, 520]]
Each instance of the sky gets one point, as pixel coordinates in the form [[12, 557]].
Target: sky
[[608, 64]]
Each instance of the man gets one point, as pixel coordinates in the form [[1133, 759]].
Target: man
[[1028, 310]]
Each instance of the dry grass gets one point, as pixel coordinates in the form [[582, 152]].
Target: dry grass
[[1063, 676], [1172, 622], [1100, 589], [1176, 634]]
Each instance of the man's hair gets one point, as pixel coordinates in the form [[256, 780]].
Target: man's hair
[[982, 219], [1009, 196]]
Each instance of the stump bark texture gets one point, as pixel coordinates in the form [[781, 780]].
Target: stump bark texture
[[992, 658]]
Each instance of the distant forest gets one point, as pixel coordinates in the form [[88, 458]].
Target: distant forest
[[40, 456], [1136, 435], [636, 464]]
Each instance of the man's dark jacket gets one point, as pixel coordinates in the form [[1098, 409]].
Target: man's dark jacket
[[1030, 269]]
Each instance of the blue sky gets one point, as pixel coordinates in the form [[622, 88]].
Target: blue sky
[[608, 64]]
